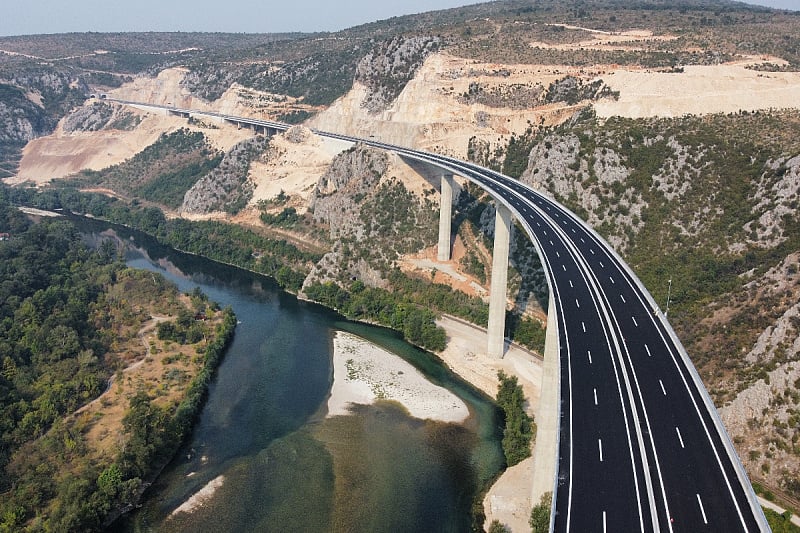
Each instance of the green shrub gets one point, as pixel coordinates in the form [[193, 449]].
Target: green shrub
[[519, 426]]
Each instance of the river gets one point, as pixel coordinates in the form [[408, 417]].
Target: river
[[264, 450]]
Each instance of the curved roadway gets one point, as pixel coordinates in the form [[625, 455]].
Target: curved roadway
[[641, 447]]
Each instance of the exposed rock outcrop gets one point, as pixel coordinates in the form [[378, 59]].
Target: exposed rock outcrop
[[21, 119], [100, 115], [351, 176], [387, 69], [778, 193], [226, 188]]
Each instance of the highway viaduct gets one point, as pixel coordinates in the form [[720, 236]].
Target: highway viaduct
[[628, 438]]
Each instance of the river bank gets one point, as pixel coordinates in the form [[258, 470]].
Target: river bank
[[509, 499], [365, 373]]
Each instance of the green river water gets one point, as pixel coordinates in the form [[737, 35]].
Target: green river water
[[283, 465]]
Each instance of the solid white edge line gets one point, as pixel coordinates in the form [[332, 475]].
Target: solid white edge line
[[643, 294], [693, 375]]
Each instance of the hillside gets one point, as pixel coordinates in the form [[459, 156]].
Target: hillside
[[672, 128]]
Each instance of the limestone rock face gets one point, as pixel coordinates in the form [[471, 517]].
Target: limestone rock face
[[227, 187], [98, 115], [351, 176], [298, 134], [387, 69], [21, 119]]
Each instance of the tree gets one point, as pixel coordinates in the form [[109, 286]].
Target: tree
[[540, 514], [497, 527], [519, 425], [147, 426]]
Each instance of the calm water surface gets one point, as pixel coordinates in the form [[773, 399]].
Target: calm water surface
[[284, 466]]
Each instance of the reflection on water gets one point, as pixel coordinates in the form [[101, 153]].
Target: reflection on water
[[284, 466]]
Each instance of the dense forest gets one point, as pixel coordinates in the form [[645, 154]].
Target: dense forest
[[66, 312]]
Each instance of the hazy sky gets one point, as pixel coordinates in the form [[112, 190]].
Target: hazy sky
[[23, 17]]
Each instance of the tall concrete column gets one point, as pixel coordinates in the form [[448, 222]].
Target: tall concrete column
[[497, 296], [545, 452], [445, 217]]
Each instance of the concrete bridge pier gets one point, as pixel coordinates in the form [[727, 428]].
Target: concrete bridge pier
[[445, 217], [545, 453], [497, 291]]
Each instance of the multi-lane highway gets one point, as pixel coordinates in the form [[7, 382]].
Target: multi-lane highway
[[641, 447]]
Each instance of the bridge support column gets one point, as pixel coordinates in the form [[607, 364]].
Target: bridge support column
[[545, 452], [497, 295], [445, 217]]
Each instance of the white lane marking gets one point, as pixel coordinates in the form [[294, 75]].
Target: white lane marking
[[584, 242], [662, 387], [577, 303], [604, 522], [591, 250], [573, 230], [623, 298], [600, 447], [612, 279], [703, 511], [595, 396], [646, 347], [538, 225], [678, 431], [564, 267], [601, 264], [551, 242], [634, 321], [589, 353], [571, 285], [583, 325], [558, 254]]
